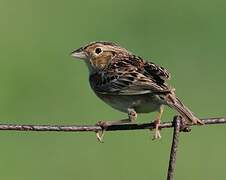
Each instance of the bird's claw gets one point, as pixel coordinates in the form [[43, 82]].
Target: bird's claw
[[100, 134], [157, 134]]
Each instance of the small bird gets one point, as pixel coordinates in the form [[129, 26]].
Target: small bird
[[130, 84]]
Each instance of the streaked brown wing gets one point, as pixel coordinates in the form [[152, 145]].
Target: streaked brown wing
[[130, 76], [127, 83], [152, 69]]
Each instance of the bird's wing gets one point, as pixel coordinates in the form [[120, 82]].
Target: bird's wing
[[130, 77], [152, 69]]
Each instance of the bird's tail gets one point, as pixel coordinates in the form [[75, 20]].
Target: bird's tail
[[176, 104]]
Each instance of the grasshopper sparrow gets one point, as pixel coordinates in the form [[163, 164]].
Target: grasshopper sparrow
[[129, 84]]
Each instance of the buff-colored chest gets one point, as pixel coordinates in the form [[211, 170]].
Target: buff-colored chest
[[144, 103]]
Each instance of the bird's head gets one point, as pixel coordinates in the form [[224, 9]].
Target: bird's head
[[98, 55]]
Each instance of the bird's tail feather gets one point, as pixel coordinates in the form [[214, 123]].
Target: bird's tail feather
[[176, 104]]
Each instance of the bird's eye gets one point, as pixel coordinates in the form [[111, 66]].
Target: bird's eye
[[98, 50]]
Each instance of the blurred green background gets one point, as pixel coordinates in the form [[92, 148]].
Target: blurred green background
[[41, 84]]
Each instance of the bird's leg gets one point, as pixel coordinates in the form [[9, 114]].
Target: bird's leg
[[132, 116], [157, 122]]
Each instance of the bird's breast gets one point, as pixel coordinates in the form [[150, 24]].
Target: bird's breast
[[143, 103]]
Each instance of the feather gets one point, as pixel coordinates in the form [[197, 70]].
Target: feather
[[176, 104], [130, 75]]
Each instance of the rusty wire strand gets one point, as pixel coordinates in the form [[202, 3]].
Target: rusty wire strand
[[94, 128], [177, 124]]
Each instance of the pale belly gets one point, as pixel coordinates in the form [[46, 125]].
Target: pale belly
[[144, 103]]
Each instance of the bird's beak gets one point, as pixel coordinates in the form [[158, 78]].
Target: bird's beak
[[79, 53]]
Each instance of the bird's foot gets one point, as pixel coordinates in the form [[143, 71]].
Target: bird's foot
[[157, 134], [100, 134], [105, 124]]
